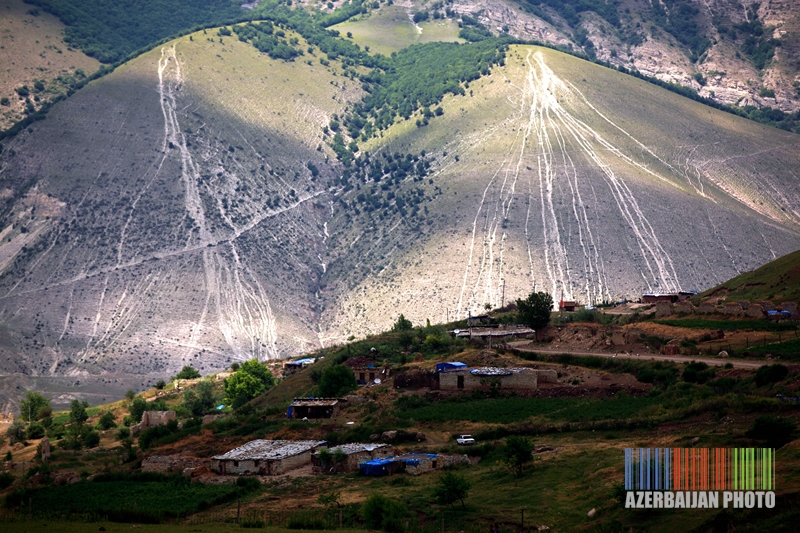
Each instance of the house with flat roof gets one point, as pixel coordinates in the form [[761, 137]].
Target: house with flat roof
[[266, 457], [356, 454], [315, 407]]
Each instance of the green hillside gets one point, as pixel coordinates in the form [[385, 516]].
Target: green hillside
[[777, 281]]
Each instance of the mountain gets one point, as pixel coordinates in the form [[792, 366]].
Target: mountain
[[777, 281], [739, 52], [189, 207]]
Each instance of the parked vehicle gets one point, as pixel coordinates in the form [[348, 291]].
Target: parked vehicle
[[465, 440]]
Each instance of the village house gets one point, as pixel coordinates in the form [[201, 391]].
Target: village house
[[356, 453], [151, 419], [266, 457], [484, 378], [293, 367], [315, 408], [414, 463], [567, 306]]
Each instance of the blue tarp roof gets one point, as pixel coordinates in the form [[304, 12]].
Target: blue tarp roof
[[306, 361], [454, 365], [377, 467]]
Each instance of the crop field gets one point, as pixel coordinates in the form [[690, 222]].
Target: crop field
[[391, 28], [507, 410], [156, 499]]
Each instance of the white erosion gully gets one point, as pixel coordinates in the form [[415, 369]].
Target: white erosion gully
[[243, 310], [552, 137]]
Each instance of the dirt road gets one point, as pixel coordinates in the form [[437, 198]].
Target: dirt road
[[525, 346]]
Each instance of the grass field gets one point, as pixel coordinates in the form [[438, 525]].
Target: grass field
[[390, 29], [778, 281]]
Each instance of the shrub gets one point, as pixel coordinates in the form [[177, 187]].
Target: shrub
[[187, 372], [770, 374], [35, 431], [123, 433], [452, 487], [380, 512], [775, 431], [160, 384], [137, 409], [6, 479], [336, 380], [697, 372], [518, 452], [402, 324], [107, 421], [91, 439], [16, 433]]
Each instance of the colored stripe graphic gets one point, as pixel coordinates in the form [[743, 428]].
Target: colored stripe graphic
[[699, 469]]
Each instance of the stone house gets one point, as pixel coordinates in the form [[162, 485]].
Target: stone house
[[266, 457], [356, 452], [485, 378], [151, 419], [315, 407]]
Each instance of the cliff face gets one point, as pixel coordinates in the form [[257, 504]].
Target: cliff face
[[740, 52]]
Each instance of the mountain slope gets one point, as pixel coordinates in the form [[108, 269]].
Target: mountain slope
[[188, 209]]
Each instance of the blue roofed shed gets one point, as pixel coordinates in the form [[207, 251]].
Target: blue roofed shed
[[452, 366], [380, 467]]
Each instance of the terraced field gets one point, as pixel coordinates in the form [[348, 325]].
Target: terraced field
[[187, 209]]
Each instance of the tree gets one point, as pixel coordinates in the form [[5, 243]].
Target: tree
[[77, 412], [16, 433], [130, 394], [379, 512], [402, 324], [534, 311], [256, 369], [201, 399], [137, 409], [187, 372], [30, 406], [336, 380], [452, 487], [107, 421], [518, 452], [251, 380], [241, 387], [160, 384]]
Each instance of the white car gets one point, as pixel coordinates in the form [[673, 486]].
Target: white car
[[465, 440]]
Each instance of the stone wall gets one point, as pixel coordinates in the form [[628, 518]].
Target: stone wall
[[171, 463], [151, 419], [272, 467], [525, 380]]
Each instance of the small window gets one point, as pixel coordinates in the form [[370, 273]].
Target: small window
[[460, 382], [433, 465], [255, 463], [236, 463]]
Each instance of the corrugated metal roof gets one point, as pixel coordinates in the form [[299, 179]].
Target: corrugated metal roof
[[269, 449], [315, 402], [301, 362], [493, 371], [357, 447]]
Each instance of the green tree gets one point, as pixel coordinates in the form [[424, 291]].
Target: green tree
[[379, 512], [130, 394], [534, 311], [187, 372], [107, 421], [518, 452], [77, 412], [137, 409], [402, 324], [256, 369], [336, 380], [452, 487], [16, 433], [241, 387], [160, 384], [201, 399], [30, 406], [91, 439]]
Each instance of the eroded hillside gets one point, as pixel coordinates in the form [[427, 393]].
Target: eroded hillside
[[188, 208]]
